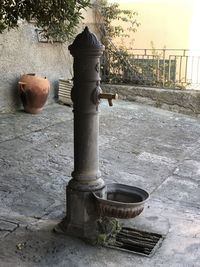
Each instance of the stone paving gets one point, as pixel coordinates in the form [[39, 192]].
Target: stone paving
[[139, 145]]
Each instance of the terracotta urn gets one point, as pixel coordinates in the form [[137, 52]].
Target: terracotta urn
[[34, 91]]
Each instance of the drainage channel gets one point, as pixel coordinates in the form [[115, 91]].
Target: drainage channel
[[137, 242]]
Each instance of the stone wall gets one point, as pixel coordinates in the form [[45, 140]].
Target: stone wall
[[183, 101]]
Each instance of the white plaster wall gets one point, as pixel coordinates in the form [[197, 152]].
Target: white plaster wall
[[20, 53]]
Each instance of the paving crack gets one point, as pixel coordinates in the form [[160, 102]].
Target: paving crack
[[28, 132], [7, 227]]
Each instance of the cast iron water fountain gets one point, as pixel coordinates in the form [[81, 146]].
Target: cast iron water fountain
[[88, 198]]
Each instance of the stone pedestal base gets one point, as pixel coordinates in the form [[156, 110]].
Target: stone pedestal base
[[82, 215]]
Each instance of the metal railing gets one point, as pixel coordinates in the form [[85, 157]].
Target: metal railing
[[167, 68]]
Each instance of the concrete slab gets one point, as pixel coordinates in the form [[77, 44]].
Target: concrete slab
[[139, 145]]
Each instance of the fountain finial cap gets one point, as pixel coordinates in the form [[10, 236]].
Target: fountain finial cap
[[86, 40]]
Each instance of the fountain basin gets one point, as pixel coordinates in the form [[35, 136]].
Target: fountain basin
[[121, 201]]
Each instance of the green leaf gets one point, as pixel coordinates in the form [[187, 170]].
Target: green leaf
[[58, 19]]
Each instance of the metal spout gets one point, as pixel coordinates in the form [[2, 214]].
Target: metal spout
[[109, 97]]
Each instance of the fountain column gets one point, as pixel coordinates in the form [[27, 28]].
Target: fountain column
[[86, 178]]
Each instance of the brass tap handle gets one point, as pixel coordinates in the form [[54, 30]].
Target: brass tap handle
[[108, 96]]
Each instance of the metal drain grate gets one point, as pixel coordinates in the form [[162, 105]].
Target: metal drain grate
[[136, 241]]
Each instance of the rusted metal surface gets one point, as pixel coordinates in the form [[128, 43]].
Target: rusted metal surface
[[121, 201], [137, 242]]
